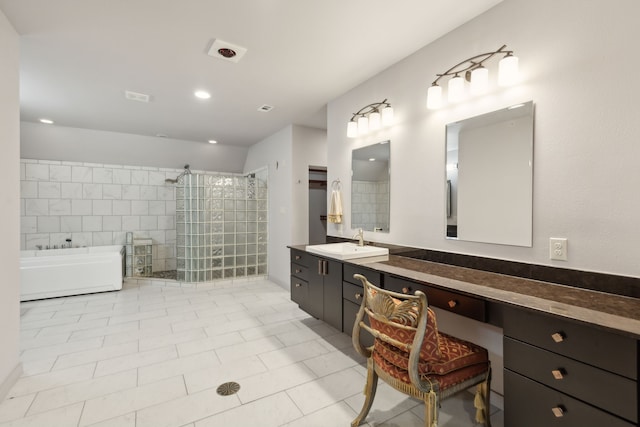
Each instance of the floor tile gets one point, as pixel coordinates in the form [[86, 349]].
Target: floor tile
[[173, 367], [206, 344], [186, 409], [387, 403], [268, 330], [234, 370], [35, 383], [61, 417], [339, 414], [260, 412], [12, 409], [127, 420], [133, 399], [335, 361], [60, 349], [274, 381], [249, 348], [149, 343], [81, 391], [135, 360], [225, 328], [293, 354], [326, 391], [88, 356]]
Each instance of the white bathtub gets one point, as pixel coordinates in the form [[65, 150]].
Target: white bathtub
[[74, 271]]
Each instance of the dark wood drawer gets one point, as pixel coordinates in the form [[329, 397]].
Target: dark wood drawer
[[348, 270], [352, 292], [603, 389], [603, 349], [531, 404], [463, 305], [299, 290], [300, 271], [299, 257], [349, 313]]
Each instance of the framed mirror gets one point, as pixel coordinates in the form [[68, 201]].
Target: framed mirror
[[489, 177], [370, 189]]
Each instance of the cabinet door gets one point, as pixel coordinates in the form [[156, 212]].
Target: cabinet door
[[299, 291], [315, 301], [332, 304]]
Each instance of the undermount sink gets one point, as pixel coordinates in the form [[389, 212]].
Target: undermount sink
[[347, 250]]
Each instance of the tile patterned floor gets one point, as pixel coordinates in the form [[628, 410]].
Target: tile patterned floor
[[153, 354]]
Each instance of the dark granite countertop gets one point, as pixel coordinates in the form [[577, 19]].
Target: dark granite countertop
[[615, 312]]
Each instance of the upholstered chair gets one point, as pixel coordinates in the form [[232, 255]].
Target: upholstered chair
[[412, 356]]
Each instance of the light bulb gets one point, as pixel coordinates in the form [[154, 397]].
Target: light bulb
[[363, 125], [455, 89], [387, 116], [434, 97], [479, 81], [508, 73], [352, 129], [374, 121]]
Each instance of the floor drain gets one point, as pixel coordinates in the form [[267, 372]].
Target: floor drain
[[227, 389]]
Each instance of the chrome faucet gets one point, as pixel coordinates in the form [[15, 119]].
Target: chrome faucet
[[360, 236]]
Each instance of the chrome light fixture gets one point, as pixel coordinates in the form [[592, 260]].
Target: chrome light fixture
[[473, 71], [370, 118]]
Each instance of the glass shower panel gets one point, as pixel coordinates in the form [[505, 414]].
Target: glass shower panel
[[221, 227]]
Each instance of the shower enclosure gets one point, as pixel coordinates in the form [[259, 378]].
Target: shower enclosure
[[221, 227]]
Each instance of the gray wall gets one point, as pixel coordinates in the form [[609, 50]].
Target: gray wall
[[10, 366]]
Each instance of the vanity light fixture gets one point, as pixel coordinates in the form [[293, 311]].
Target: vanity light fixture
[[473, 71], [370, 118]]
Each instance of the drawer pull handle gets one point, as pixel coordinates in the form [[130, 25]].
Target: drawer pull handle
[[358, 296], [452, 303], [558, 411], [558, 373], [298, 270], [298, 257], [558, 337], [406, 290], [298, 285]]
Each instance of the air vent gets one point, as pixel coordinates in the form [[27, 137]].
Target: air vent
[[227, 51], [136, 96], [264, 108]]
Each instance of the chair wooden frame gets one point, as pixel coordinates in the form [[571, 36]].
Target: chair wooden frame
[[394, 308]]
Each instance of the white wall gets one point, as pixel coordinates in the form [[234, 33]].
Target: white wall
[[586, 131], [53, 142], [577, 60], [10, 367], [288, 154]]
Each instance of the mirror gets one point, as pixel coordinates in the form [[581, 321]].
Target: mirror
[[370, 190], [489, 185]]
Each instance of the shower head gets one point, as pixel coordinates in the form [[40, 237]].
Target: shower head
[[186, 171]]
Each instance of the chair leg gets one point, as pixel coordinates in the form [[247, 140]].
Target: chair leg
[[487, 400], [482, 402], [369, 392], [431, 410]]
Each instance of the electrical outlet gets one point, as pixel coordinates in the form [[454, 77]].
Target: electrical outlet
[[558, 248]]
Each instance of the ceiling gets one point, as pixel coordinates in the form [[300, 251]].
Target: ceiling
[[78, 57]]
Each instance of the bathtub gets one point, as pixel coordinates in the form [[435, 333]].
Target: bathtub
[[73, 271]]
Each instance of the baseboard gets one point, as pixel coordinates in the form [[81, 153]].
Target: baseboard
[[11, 379]]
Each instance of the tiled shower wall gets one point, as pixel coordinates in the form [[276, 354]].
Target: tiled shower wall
[[370, 205], [96, 204]]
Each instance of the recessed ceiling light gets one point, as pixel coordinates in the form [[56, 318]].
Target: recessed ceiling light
[[265, 108], [202, 94], [46, 121], [213, 141], [372, 159]]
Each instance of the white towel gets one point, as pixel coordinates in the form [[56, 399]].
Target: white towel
[[335, 210]]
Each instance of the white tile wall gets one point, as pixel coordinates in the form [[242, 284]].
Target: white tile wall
[[96, 204]]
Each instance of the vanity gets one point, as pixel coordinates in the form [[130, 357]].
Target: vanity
[[571, 355]]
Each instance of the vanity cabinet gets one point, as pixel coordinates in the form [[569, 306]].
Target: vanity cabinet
[[352, 293], [559, 372], [454, 302], [316, 285]]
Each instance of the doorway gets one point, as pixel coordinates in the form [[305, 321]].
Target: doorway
[[317, 205]]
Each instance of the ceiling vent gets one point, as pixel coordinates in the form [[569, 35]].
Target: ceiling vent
[[135, 96], [264, 108], [227, 51]]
